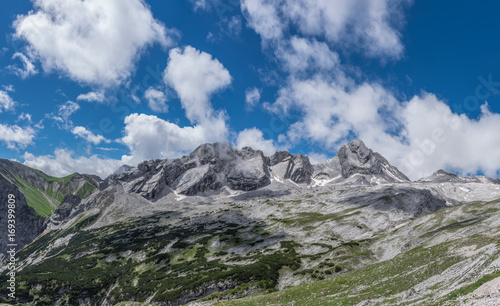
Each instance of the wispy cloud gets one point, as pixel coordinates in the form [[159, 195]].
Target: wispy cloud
[[92, 96], [28, 69], [82, 132]]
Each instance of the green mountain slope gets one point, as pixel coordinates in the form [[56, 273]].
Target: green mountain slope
[[43, 192]]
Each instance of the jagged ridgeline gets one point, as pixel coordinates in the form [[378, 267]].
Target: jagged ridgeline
[[222, 223], [43, 192]]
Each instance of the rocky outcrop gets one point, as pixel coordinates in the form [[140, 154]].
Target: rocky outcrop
[[250, 173], [207, 169], [69, 203], [294, 167], [412, 201], [355, 160], [28, 225]]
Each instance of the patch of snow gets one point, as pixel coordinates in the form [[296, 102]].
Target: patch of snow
[[179, 197], [274, 177], [389, 172], [232, 193], [322, 183], [464, 189]]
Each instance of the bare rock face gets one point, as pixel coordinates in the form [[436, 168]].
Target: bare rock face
[[64, 210], [328, 170], [28, 225], [211, 167], [207, 169], [355, 159], [294, 167], [250, 172], [412, 201], [147, 179]]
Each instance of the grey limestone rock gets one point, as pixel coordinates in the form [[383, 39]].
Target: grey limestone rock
[[211, 167], [294, 167], [356, 159], [206, 170], [64, 210]]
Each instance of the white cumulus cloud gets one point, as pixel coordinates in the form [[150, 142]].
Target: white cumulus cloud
[[84, 133], [252, 97], [15, 136], [200, 4], [254, 138], [64, 111], [419, 136], [28, 69], [150, 137], [63, 163], [264, 17], [92, 41], [195, 76], [371, 26], [6, 101], [441, 139], [301, 54], [156, 100], [24, 116]]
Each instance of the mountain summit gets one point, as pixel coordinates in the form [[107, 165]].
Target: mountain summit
[[211, 168], [357, 164]]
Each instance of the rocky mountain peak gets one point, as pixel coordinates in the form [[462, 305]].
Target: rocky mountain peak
[[279, 157], [358, 148], [213, 167], [356, 159], [208, 168], [213, 151]]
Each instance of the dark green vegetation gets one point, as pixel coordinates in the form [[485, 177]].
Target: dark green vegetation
[[378, 281], [43, 192], [129, 261], [470, 288]]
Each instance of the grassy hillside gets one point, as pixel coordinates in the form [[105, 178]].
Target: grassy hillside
[[44, 192]]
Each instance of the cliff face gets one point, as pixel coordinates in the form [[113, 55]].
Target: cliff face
[[28, 224]]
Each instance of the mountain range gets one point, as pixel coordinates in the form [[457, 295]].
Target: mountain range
[[223, 223]]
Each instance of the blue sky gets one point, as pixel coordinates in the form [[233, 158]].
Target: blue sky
[[86, 86]]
